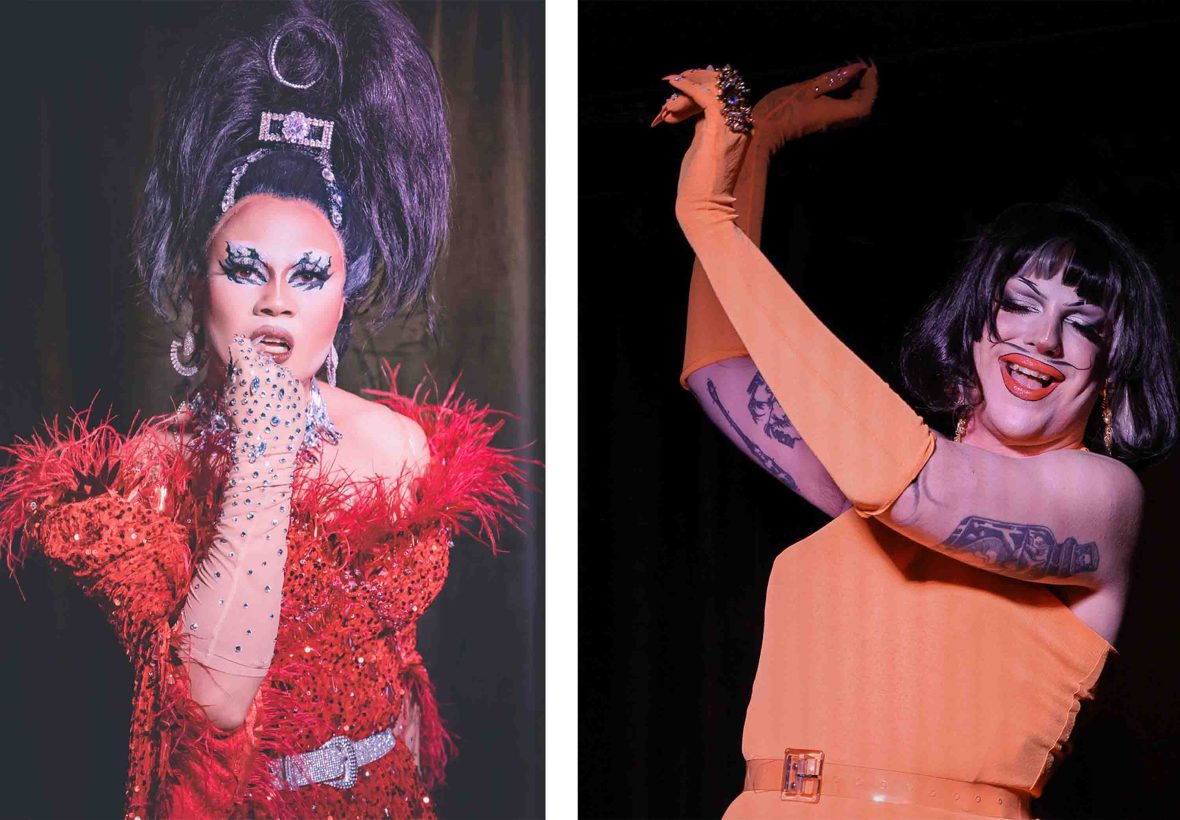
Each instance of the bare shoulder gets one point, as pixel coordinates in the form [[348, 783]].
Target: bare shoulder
[[1096, 476], [1107, 500], [1113, 492], [394, 443]]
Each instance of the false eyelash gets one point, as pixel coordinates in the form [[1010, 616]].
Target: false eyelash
[[317, 269], [1014, 307], [233, 271], [318, 276], [1091, 332]]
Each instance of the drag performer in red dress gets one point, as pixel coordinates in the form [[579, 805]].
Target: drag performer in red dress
[[265, 552]]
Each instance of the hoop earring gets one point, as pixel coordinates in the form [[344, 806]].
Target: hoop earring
[[186, 370], [332, 362], [1107, 422]]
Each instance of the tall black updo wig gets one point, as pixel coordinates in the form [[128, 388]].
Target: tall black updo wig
[[372, 76]]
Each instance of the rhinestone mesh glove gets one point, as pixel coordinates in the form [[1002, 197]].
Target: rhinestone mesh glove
[[232, 612]]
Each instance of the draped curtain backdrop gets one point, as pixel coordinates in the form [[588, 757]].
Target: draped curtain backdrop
[[90, 79], [982, 105]]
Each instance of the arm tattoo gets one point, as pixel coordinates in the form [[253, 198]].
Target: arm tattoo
[[1028, 551], [763, 405], [760, 455]]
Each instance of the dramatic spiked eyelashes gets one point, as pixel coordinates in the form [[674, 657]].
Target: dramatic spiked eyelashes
[[244, 265]]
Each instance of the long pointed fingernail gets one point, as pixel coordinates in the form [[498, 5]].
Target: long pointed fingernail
[[659, 117]]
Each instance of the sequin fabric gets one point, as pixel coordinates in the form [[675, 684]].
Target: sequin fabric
[[125, 517]]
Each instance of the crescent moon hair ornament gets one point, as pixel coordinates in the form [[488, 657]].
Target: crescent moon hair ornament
[[274, 69]]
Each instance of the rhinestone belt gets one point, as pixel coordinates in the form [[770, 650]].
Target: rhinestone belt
[[334, 764]]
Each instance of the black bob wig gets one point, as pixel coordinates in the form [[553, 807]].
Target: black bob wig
[[1139, 361], [390, 152]]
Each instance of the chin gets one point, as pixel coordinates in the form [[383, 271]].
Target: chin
[[303, 374], [1020, 425], [1019, 432]]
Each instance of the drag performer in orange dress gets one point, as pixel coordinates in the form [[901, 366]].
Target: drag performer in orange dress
[[925, 653], [264, 553]]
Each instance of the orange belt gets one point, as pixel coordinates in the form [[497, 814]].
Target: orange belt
[[803, 775]]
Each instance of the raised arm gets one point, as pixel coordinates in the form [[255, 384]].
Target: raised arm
[[875, 447], [717, 367]]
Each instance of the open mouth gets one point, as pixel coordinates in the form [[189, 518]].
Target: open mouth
[[273, 341], [1029, 379]]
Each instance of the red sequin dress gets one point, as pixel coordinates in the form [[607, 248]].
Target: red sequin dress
[[127, 518]]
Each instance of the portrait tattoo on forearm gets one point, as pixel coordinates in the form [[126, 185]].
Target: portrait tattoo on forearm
[[1028, 551], [763, 405], [761, 456]]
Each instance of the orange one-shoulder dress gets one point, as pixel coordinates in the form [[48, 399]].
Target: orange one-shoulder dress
[[895, 661]]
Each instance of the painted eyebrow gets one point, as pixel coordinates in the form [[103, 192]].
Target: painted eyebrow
[[236, 250], [310, 256], [316, 258], [1028, 282]]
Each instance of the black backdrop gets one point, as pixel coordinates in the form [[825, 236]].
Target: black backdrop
[[981, 106], [85, 83]]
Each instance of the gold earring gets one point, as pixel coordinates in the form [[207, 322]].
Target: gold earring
[[1107, 421], [961, 429]]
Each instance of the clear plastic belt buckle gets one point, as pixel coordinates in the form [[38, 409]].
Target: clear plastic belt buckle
[[802, 771]]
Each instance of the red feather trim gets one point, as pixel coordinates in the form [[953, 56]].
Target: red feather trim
[[44, 469], [225, 768], [435, 745], [468, 478]]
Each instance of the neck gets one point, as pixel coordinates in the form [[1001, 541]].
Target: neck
[[978, 435]]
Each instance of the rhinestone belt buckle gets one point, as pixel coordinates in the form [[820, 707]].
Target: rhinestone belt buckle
[[802, 770], [344, 747]]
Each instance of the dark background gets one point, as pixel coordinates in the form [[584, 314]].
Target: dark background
[[981, 106], [85, 85]]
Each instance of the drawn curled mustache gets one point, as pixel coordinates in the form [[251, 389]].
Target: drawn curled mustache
[[1054, 362]]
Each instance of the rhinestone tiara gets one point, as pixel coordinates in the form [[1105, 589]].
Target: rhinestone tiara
[[293, 128], [296, 128]]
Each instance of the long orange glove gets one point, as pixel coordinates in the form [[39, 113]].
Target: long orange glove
[[783, 115], [869, 440]]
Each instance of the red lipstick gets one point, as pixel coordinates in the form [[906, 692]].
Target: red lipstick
[[1037, 371]]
